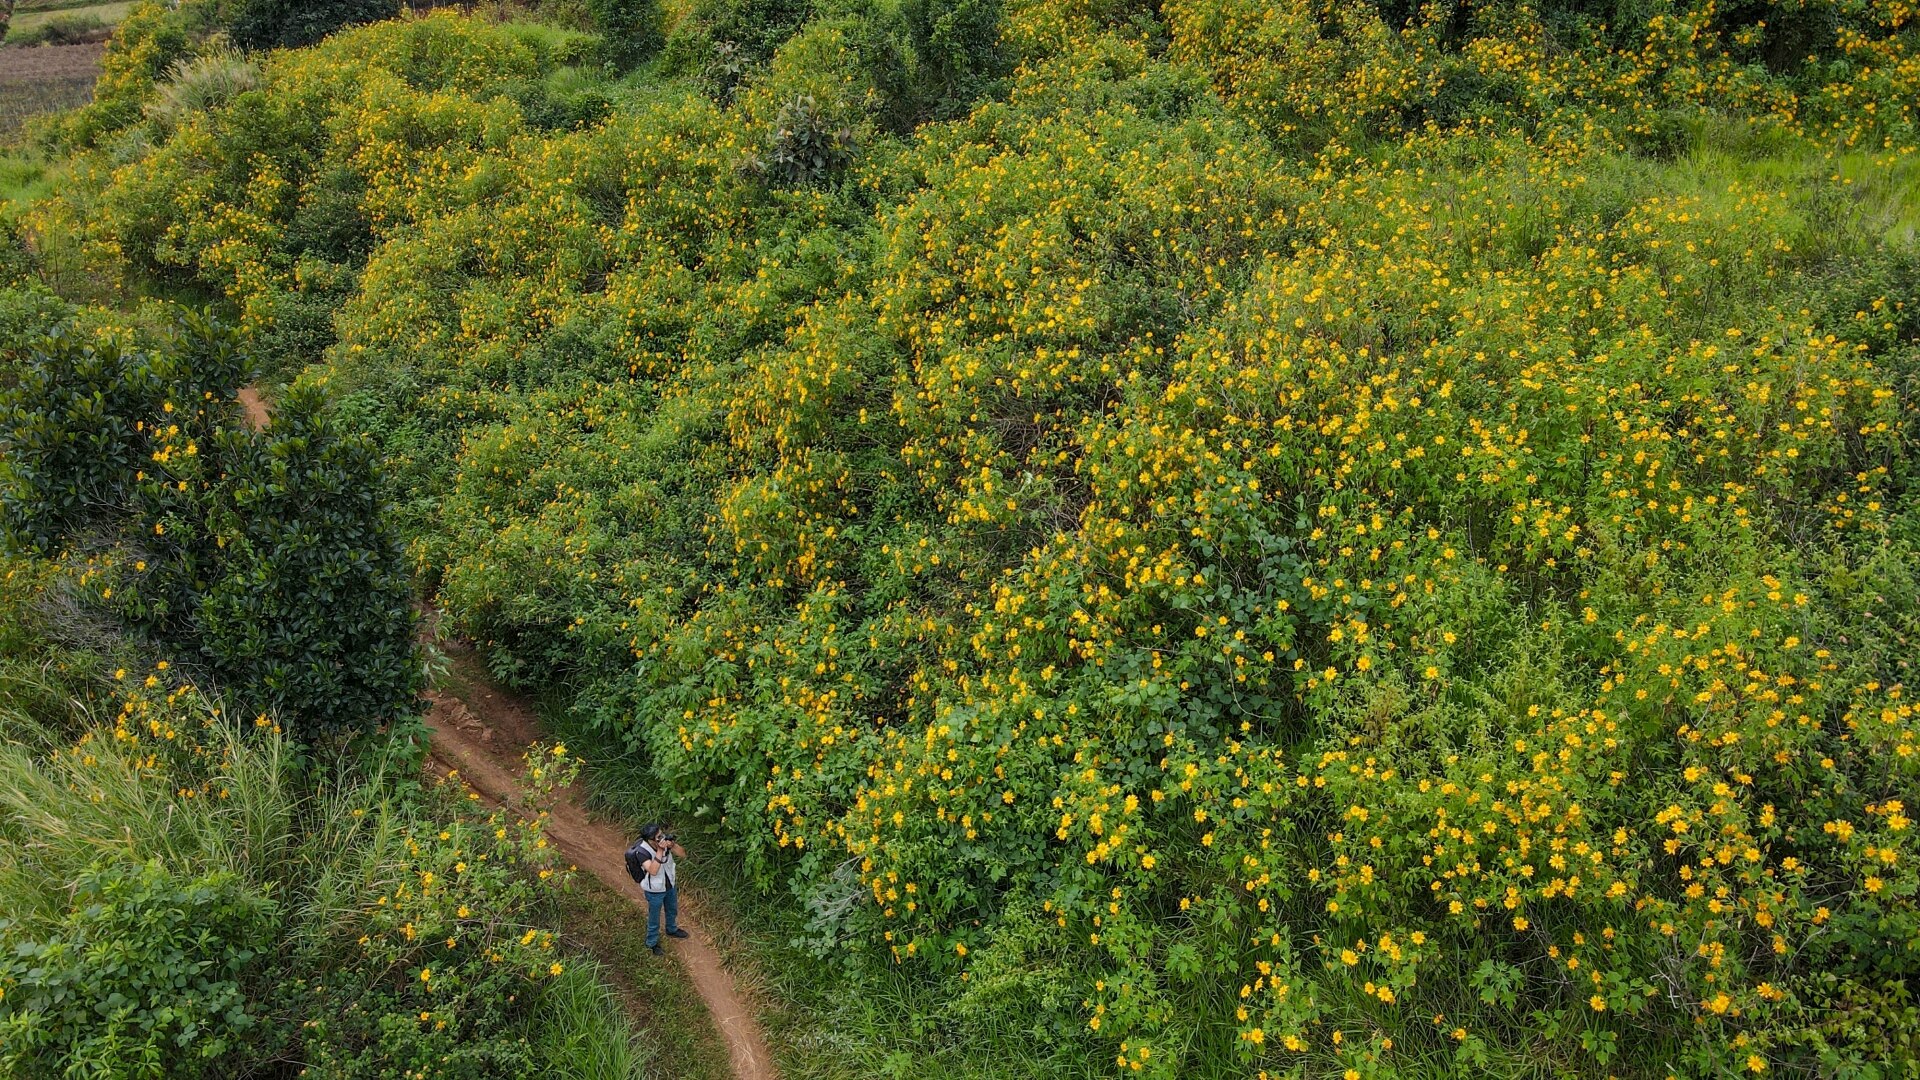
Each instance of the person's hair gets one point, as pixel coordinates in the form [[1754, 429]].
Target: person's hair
[[648, 832]]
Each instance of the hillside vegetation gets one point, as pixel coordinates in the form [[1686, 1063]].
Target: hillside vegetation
[[1317, 538], [217, 857]]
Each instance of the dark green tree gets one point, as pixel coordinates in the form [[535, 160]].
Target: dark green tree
[[956, 48], [261, 558], [631, 28], [927, 61], [292, 24]]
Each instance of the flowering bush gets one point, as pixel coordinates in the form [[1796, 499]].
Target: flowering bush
[[154, 35], [1300, 539], [445, 971], [180, 903]]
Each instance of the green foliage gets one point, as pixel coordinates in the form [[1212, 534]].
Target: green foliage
[[260, 557], [154, 36], [805, 145], [41, 684], [565, 99], [956, 52], [183, 898], [142, 978], [15, 261], [284, 575], [581, 1030], [631, 28], [465, 1011], [1274, 524], [76, 427], [724, 40], [25, 312], [307, 178], [65, 29], [290, 24]]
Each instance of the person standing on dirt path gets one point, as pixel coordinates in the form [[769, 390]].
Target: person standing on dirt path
[[656, 851]]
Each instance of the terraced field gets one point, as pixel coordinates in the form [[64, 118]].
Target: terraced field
[[44, 79]]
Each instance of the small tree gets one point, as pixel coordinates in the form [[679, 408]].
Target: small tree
[[293, 24], [261, 558], [631, 28], [956, 46], [806, 145]]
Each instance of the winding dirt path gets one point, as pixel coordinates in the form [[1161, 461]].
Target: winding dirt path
[[481, 738]]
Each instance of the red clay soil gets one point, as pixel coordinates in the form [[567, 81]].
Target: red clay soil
[[480, 738]]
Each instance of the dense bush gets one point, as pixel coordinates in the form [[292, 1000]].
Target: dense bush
[[16, 261], [805, 145], [272, 24], [62, 29], [631, 28], [724, 40], [260, 558], [153, 36], [956, 51], [183, 900], [1307, 538], [141, 979]]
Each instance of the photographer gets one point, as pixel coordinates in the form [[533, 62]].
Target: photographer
[[655, 853]]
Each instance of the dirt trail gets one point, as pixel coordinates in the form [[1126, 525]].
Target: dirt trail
[[256, 408], [482, 737]]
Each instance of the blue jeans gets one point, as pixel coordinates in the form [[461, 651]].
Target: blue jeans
[[655, 901]]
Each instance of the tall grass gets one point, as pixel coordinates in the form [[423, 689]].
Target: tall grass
[[200, 83], [105, 801], [583, 1031], [244, 800]]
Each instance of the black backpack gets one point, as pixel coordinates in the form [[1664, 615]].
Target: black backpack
[[637, 856]]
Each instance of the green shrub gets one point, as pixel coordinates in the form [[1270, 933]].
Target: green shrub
[[16, 261], [146, 977], [567, 98], [260, 557], [284, 576], [75, 430], [153, 36], [290, 24], [64, 29], [389, 902], [925, 61], [806, 145], [956, 52], [723, 40], [26, 311], [631, 29]]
